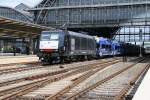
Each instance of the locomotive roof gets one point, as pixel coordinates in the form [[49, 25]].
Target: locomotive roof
[[105, 41], [73, 34], [80, 35], [53, 31]]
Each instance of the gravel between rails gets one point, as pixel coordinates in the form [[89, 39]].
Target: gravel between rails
[[100, 78], [54, 88], [45, 70], [90, 62], [112, 88]]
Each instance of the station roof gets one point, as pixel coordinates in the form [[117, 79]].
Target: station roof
[[14, 28]]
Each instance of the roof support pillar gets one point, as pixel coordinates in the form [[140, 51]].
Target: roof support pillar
[[31, 45], [1, 46]]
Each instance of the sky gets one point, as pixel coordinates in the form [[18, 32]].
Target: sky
[[13, 3]]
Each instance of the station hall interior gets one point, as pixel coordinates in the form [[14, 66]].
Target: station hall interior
[[74, 49], [124, 21]]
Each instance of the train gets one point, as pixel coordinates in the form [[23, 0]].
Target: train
[[66, 46], [63, 45]]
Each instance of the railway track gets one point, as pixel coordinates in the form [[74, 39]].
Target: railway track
[[69, 83], [34, 82], [123, 92], [74, 93], [98, 83], [12, 68], [18, 67], [113, 87], [52, 70]]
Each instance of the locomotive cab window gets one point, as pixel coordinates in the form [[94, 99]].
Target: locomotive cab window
[[54, 36], [45, 37], [49, 36]]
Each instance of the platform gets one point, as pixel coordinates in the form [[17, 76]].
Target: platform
[[143, 90], [8, 59], [9, 54]]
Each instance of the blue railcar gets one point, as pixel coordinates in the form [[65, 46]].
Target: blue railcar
[[116, 48], [104, 47]]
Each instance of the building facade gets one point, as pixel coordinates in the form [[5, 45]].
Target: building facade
[[123, 20], [14, 14], [90, 13], [24, 9]]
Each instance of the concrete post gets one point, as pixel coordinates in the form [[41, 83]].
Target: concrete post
[[31, 45], [141, 41], [1, 46]]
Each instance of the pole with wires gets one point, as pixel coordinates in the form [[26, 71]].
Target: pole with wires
[[141, 39]]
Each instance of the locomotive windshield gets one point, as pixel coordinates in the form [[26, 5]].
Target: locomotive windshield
[[49, 36]]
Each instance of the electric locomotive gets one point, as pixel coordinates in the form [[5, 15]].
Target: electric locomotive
[[62, 45]]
